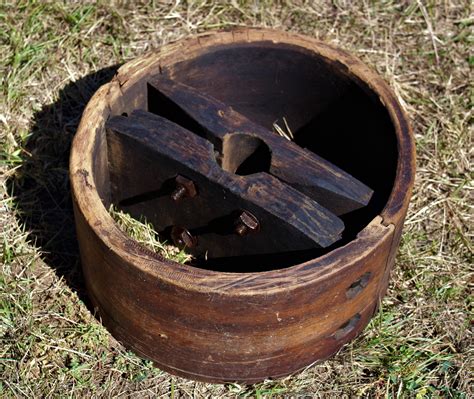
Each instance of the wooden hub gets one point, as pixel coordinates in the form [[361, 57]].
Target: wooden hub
[[293, 234]]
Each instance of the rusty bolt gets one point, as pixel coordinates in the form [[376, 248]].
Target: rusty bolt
[[182, 237], [184, 188], [246, 223]]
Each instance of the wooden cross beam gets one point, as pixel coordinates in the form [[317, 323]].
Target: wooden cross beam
[[324, 182], [214, 182]]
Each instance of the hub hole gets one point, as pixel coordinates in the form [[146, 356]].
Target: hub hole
[[244, 154]]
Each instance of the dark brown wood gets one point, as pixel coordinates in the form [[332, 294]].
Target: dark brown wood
[[248, 326], [147, 152], [237, 138]]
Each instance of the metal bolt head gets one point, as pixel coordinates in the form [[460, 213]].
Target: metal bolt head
[[184, 188], [183, 238], [246, 223]]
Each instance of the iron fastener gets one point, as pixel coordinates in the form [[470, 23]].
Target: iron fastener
[[183, 238], [185, 188], [246, 223]]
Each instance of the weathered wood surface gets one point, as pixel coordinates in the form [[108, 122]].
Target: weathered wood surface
[[147, 152], [248, 326], [324, 182]]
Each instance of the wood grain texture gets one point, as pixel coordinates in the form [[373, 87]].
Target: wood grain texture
[[146, 153], [248, 326], [324, 182]]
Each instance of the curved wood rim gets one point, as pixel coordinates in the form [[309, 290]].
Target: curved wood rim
[[194, 279]]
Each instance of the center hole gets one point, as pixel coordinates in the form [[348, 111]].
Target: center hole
[[244, 154]]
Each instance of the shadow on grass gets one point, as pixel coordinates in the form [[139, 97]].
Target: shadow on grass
[[41, 185]]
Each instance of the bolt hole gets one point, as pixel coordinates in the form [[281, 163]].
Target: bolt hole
[[358, 286], [183, 238], [347, 327]]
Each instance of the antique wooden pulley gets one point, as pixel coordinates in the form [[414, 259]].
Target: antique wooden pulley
[[293, 240]]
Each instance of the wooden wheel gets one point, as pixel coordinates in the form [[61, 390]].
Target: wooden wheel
[[294, 240]]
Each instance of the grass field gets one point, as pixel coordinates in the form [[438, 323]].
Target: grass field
[[53, 56]]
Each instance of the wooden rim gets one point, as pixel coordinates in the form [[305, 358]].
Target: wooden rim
[[196, 279]]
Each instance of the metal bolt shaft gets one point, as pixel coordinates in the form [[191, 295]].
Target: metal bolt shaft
[[178, 193], [182, 237], [241, 229], [184, 188]]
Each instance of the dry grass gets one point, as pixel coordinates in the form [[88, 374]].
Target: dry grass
[[144, 233], [420, 344]]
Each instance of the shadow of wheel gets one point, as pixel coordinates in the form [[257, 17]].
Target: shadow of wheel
[[40, 186]]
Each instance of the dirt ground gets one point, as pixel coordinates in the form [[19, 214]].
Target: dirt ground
[[53, 56]]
